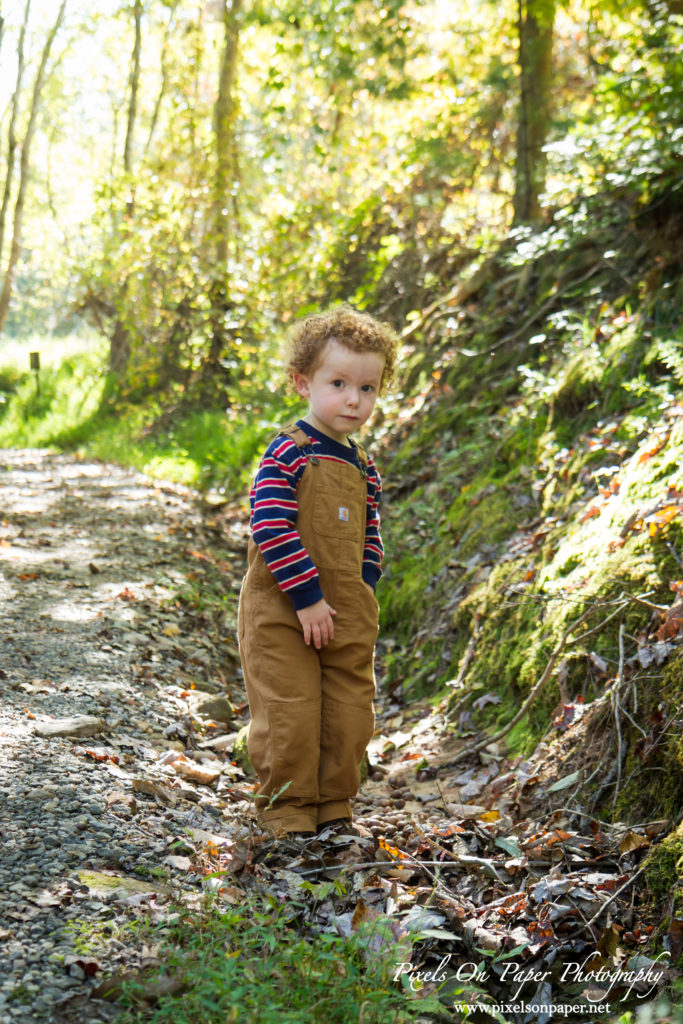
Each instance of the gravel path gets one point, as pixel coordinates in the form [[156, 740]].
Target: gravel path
[[102, 625]]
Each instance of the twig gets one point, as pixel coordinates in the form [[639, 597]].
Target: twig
[[545, 306], [649, 604], [634, 723], [615, 895], [410, 864], [674, 553], [456, 683], [476, 747], [616, 694], [443, 799], [623, 601]]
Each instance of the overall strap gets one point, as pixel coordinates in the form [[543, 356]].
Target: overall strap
[[362, 455], [300, 439], [303, 441]]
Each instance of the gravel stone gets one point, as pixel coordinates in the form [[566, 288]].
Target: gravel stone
[[91, 556]]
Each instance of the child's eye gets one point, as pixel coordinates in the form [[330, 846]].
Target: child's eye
[[368, 387], [337, 383]]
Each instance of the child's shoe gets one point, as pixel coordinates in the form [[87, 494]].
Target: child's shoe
[[337, 827]]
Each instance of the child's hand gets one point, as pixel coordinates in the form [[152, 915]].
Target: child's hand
[[317, 623]]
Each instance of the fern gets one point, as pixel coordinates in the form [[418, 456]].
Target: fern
[[670, 354]]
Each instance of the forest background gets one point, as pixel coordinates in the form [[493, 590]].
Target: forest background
[[502, 182]]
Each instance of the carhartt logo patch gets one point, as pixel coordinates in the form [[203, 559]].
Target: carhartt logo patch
[[343, 514]]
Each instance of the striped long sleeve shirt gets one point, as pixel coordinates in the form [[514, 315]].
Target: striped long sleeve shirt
[[274, 510]]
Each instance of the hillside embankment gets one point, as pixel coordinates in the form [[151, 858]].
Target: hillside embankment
[[534, 496]]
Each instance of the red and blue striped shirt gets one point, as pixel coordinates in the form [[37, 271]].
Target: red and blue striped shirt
[[274, 510]]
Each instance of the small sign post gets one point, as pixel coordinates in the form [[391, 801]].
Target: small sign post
[[35, 366]]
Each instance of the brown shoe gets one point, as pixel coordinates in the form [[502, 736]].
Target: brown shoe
[[337, 827]]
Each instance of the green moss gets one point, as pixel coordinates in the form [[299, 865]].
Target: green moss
[[240, 753], [654, 765], [664, 868], [481, 516], [579, 384]]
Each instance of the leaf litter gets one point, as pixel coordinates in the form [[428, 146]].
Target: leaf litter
[[470, 864]]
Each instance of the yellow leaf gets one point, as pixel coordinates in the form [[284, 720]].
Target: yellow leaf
[[633, 841], [171, 630], [490, 816]]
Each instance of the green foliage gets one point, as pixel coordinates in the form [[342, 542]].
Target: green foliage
[[37, 409], [629, 134], [664, 869], [250, 963], [502, 474]]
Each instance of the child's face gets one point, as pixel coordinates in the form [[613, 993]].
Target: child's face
[[342, 390]]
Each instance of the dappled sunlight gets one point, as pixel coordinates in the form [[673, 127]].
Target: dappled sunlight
[[634, 498], [77, 555]]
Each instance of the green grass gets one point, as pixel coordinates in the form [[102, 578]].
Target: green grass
[[35, 408], [255, 963], [65, 409]]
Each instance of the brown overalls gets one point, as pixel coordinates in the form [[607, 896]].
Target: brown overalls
[[311, 710]]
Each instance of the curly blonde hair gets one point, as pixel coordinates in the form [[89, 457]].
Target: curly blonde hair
[[306, 340]]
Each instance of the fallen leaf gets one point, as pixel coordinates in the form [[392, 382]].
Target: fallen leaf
[[155, 789], [563, 783], [487, 698], [201, 773], [676, 938], [655, 447], [361, 914], [510, 846], [633, 841]]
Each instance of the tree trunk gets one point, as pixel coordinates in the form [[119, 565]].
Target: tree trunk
[[134, 87], [225, 204], [225, 111], [24, 171], [120, 344], [12, 130], [164, 76], [536, 18]]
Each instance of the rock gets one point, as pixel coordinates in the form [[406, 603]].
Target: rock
[[220, 743], [219, 709], [79, 725], [177, 862], [240, 754], [111, 886]]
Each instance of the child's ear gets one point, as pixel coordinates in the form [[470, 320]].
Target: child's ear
[[301, 385]]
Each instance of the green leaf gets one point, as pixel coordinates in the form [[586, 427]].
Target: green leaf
[[564, 783]]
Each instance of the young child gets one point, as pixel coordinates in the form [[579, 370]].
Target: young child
[[308, 616]]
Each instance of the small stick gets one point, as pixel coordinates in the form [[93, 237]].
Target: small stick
[[633, 721], [616, 692], [465, 663], [614, 896], [476, 747], [604, 622]]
